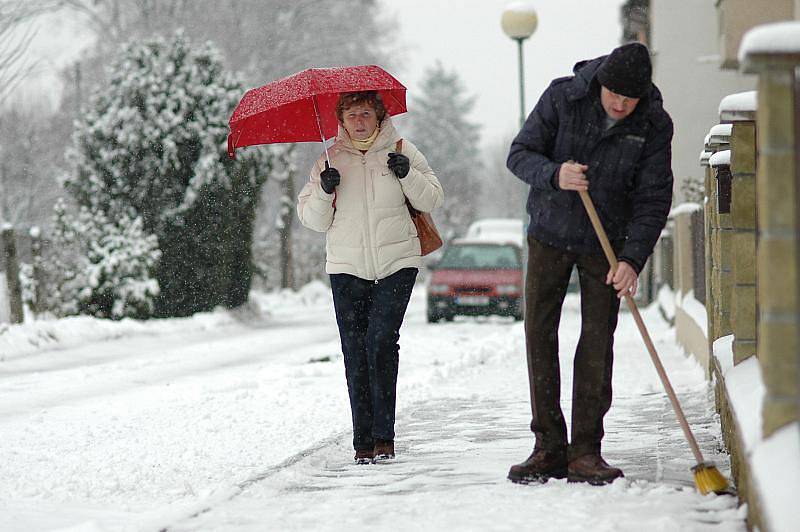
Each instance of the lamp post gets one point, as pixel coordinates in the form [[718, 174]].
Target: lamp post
[[519, 21]]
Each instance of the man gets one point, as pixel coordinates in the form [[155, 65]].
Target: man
[[603, 130]]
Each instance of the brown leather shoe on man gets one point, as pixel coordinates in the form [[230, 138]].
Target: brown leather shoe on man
[[540, 466], [593, 469], [383, 450], [364, 456]]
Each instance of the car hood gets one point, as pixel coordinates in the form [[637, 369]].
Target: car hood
[[466, 277]]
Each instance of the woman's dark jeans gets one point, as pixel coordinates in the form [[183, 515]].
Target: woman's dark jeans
[[369, 315]]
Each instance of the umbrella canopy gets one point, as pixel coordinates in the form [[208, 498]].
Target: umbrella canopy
[[302, 107]]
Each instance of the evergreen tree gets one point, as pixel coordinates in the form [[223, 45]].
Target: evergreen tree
[[449, 140], [153, 145], [100, 267]]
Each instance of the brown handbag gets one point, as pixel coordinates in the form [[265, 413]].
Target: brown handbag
[[429, 238]]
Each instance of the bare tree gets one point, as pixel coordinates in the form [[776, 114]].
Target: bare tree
[[15, 39]]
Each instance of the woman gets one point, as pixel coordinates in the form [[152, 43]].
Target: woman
[[373, 254]]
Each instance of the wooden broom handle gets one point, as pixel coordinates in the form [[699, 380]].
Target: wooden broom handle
[[612, 260]]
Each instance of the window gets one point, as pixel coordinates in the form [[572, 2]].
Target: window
[[480, 257]]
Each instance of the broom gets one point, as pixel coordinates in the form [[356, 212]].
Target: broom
[[706, 476]]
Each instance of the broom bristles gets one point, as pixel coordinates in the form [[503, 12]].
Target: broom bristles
[[709, 480]]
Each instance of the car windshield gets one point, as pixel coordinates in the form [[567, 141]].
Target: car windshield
[[480, 257]]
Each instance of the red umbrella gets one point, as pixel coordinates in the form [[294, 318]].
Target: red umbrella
[[302, 107]]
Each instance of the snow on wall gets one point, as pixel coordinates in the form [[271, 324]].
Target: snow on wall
[[741, 101], [721, 130], [720, 158], [666, 300], [684, 208], [776, 38], [774, 461], [745, 388], [776, 472], [694, 309], [723, 352]]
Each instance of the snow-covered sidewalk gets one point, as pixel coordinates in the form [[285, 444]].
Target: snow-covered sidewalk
[[246, 427]]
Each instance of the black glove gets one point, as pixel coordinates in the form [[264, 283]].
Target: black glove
[[329, 179], [399, 164]]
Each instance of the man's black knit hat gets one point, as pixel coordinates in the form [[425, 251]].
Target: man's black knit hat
[[627, 70]]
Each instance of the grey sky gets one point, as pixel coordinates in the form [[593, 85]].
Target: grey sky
[[466, 36]]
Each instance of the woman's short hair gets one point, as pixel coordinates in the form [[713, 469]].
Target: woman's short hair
[[349, 99]]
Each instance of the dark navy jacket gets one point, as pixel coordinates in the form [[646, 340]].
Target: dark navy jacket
[[630, 170]]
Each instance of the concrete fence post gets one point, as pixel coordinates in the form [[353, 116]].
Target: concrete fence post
[[778, 240], [723, 256], [740, 111]]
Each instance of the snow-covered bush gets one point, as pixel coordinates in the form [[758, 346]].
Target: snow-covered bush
[[152, 147], [100, 267]]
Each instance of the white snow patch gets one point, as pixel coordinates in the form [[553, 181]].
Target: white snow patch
[[776, 471], [745, 388], [723, 352], [666, 300], [720, 158], [687, 207], [695, 310], [774, 461], [739, 102], [775, 38], [721, 130]]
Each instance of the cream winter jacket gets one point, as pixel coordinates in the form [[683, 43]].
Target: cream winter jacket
[[370, 233]]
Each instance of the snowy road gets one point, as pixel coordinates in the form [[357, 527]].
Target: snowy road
[[245, 426]]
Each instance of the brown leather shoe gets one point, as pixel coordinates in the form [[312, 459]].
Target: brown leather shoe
[[364, 456], [593, 469], [540, 466], [383, 450]]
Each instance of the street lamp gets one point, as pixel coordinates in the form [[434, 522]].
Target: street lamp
[[519, 21]]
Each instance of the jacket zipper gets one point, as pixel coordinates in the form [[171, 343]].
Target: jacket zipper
[[367, 185]]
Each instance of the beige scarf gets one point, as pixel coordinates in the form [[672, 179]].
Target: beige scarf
[[364, 145]]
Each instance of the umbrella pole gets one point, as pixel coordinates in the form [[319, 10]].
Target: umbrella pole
[[319, 126]]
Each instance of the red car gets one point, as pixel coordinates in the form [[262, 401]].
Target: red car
[[476, 277]]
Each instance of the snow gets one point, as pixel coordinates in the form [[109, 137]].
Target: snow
[[723, 351], [240, 421], [704, 156], [720, 158], [739, 102], [746, 392], [666, 301], [774, 461], [683, 208], [720, 130], [693, 308], [779, 456], [776, 38]]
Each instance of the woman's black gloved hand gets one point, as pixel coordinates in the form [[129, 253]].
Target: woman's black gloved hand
[[329, 179], [399, 164]]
